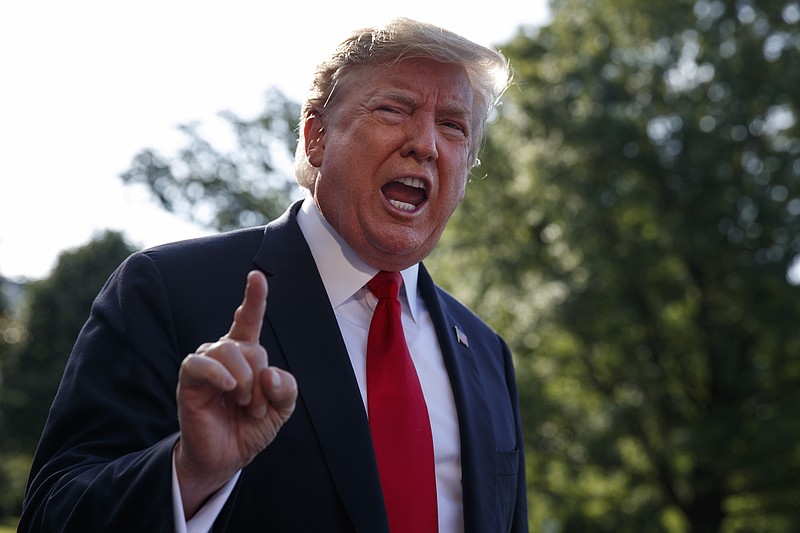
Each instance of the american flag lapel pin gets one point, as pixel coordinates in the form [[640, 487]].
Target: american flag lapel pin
[[462, 338]]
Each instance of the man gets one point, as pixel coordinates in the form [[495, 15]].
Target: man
[[278, 425]]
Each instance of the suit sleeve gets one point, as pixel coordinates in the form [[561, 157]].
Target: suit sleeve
[[104, 459]]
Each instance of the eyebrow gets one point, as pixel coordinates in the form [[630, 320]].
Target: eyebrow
[[407, 98], [403, 97]]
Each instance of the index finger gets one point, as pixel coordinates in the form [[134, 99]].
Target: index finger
[[249, 316]]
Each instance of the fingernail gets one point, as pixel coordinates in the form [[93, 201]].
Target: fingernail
[[276, 380]]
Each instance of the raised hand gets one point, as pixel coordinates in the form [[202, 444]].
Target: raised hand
[[231, 403]]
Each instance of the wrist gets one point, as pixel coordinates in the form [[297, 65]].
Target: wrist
[[195, 483]]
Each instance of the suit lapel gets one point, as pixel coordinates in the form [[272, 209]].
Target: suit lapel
[[474, 415], [300, 315], [299, 312]]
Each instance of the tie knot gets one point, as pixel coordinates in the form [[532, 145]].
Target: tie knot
[[386, 284]]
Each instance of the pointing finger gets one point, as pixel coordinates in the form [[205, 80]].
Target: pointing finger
[[249, 316]]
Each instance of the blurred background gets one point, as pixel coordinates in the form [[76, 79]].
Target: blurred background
[[633, 230]]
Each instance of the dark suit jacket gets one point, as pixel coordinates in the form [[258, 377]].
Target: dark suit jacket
[[104, 461]]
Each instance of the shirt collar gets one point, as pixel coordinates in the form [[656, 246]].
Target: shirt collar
[[342, 271]]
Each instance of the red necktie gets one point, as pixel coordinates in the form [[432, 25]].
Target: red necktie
[[398, 417]]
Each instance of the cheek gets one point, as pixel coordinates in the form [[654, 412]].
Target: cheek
[[453, 197], [458, 171], [462, 189], [458, 189]]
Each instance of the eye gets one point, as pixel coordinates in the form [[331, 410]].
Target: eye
[[454, 126], [389, 114], [387, 109]]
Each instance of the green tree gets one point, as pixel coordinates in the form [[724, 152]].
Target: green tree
[[33, 356], [13, 465], [34, 346], [58, 306], [224, 190], [632, 240]]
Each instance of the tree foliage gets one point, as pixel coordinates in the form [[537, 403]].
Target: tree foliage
[[34, 346], [58, 306], [13, 466], [242, 187], [632, 239]]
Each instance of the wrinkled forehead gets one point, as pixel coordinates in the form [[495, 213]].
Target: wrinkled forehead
[[409, 79]]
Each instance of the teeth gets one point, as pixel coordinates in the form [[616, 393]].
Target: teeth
[[412, 182], [402, 205]]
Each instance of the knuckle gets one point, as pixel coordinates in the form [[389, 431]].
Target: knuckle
[[204, 347], [190, 360], [223, 349]]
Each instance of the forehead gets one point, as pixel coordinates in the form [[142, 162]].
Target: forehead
[[422, 81]]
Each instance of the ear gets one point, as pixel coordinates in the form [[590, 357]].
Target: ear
[[313, 133]]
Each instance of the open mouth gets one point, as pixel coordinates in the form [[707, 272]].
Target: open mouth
[[406, 194]]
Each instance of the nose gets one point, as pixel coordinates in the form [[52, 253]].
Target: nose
[[420, 142]]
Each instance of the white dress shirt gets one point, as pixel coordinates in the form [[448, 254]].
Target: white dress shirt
[[345, 276]]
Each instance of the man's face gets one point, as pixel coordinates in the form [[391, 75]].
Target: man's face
[[393, 157]]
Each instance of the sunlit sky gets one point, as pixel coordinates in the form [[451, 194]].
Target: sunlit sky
[[86, 84]]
